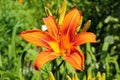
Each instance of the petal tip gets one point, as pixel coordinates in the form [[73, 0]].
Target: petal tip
[[36, 67], [81, 68]]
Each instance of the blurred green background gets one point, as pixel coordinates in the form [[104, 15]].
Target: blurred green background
[[17, 56]]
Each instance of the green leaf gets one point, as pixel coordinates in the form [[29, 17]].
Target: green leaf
[[109, 39], [10, 76]]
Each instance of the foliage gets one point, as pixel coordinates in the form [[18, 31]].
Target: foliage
[[17, 56]]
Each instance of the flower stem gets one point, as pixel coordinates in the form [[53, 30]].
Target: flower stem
[[57, 68]]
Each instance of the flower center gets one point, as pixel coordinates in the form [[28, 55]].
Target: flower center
[[65, 52]]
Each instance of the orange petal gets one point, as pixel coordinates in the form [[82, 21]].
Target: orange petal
[[44, 57], [84, 37], [76, 59], [71, 22], [37, 37], [51, 25]]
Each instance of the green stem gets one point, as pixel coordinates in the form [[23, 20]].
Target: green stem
[[57, 68]]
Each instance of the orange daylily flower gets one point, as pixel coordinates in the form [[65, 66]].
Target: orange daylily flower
[[60, 40]]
